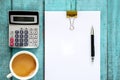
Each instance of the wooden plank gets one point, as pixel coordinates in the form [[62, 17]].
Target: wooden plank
[[113, 40], [5, 6], [51, 5], [38, 6], [87, 5]]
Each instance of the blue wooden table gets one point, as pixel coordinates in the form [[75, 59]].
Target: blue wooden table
[[110, 32]]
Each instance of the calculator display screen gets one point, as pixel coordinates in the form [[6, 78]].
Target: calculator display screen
[[30, 19]]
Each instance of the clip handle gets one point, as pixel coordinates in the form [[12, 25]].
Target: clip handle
[[9, 75], [71, 23]]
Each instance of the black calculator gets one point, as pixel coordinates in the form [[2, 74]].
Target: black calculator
[[23, 29]]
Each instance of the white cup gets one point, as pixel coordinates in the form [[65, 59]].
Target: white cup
[[19, 77]]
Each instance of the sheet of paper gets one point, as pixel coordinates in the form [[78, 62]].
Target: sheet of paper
[[68, 53]]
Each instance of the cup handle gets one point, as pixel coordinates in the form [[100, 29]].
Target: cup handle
[[9, 75]]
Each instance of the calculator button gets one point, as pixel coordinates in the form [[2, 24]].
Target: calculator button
[[35, 44], [30, 32], [21, 44], [30, 36], [21, 36], [35, 36], [16, 44], [16, 31], [31, 29], [35, 40], [11, 33], [16, 40], [31, 43], [11, 44], [35, 32], [30, 40], [11, 39], [21, 31], [25, 44], [25, 40], [26, 36], [16, 36], [26, 31], [21, 40]]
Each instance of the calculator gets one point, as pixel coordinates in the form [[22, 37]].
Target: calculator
[[23, 29]]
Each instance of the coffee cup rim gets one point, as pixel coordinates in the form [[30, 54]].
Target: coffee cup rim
[[25, 52]]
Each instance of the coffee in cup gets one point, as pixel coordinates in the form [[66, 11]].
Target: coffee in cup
[[23, 65]]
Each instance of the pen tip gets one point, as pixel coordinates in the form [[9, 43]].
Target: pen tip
[[92, 30], [92, 59], [92, 27]]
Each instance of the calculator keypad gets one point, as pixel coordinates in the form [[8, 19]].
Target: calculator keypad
[[11, 41], [24, 37]]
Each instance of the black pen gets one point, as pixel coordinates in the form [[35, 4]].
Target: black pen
[[92, 45]]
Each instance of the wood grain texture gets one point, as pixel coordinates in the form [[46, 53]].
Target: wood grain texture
[[51, 5], [5, 54], [36, 5], [113, 40], [110, 40]]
